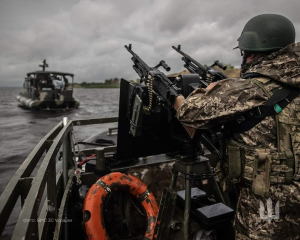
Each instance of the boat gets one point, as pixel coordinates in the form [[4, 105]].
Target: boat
[[144, 179], [54, 202], [48, 90]]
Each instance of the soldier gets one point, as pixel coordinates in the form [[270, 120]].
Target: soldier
[[260, 113]]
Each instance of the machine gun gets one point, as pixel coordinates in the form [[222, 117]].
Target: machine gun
[[159, 93], [154, 129], [156, 80], [207, 74]]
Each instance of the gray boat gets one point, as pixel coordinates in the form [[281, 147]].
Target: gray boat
[[48, 90]]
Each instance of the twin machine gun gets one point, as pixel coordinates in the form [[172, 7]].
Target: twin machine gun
[[150, 112]]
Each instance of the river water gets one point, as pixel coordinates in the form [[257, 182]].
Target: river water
[[21, 130]]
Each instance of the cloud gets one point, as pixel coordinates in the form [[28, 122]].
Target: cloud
[[87, 37]]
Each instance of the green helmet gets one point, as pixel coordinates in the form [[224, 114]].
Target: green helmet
[[267, 33]]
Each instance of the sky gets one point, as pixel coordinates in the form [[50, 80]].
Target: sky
[[87, 37]]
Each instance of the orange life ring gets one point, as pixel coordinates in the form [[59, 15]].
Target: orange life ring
[[94, 203]]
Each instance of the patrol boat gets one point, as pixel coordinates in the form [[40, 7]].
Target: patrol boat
[[119, 184], [48, 90]]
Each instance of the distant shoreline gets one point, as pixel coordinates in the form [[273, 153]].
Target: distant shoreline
[[11, 87], [96, 86], [75, 86]]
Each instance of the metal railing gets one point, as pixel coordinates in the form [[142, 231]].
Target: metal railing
[[33, 223]]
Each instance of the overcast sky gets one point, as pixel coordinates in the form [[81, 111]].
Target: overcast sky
[[87, 37]]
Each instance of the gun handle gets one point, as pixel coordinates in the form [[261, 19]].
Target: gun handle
[[165, 66], [220, 65]]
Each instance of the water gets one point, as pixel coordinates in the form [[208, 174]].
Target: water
[[21, 130]]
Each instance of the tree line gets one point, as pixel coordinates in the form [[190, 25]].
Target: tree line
[[110, 81]]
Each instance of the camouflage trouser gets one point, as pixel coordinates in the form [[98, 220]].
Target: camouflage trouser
[[249, 225]]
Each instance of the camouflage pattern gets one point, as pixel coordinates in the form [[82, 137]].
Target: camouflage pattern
[[248, 224], [208, 108], [282, 66], [222, 103]]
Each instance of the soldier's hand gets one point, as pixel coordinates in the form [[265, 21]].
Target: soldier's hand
[[178, 102], [210, 86]]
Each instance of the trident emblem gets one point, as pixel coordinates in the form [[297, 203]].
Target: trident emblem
[[269, 216]]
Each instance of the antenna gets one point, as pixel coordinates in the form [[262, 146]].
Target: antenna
[[44, 65]]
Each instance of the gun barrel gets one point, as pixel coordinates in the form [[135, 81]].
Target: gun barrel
[[129, 49], [137, 58], [175, 48], [190, 59], [182, 53]]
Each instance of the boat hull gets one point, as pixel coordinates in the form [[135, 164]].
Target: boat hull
[[60, 103]]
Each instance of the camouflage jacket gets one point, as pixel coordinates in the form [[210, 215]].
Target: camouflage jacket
[[230, 97], [222, 103]]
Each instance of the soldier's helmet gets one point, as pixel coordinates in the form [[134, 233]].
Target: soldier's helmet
[[267, 33]]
